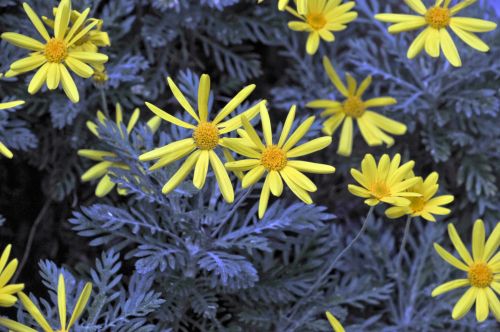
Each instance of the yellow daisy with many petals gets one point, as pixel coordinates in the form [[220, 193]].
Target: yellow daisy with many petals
[[206, 137], [337, 327], [3, 149], [386, 181], [32, 309], [425, 206], [320, 18], [55, 53], [373, 126], [7, 298], [483, 272], [102, 169], [437, 19], [276, 159]]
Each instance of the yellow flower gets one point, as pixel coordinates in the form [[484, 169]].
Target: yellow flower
[[437, 19], [102, 169], [483, 268], [3, 149], [373, 126], [425, 206], [337, 327], [92, 40], [386, 182], [7, 299], [276, 159], [32, 309], [205, 139], [54, 54], [320, 18]]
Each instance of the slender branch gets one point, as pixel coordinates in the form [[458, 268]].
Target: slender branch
[[31, 237], [399, 260], [104, 102], [330, 267]]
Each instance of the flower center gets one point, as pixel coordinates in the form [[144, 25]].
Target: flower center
[[273, 158], [206, 136], [354, 106], [417, 204], [380, 190], [56, 50], [480, 275], [438, 17], [317, 21]]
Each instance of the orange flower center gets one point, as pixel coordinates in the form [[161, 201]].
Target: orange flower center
[[206, 136], [273, 158], [438, 17], [417, 204], [354, 107], [380, 190], [480, 275], [56, 50], [317, 21]]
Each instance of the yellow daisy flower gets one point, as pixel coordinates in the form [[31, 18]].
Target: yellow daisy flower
[[425, 206], [320, 18], [205, 139], [483, 272], [102, 169], [275, 159], [7, 298], [32, 309], [3, 149], [54, 54], [337, 327], [386, 182], [437, 19], [373, 126]]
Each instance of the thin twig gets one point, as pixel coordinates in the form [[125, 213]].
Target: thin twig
[[398, 262], [31, 237], [330, 267]]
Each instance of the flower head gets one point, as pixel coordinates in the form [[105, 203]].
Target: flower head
[[436, 20], [373, 126], [55, 53], [425, 206], [482, 268], [386, 181], [105, 158], [319, 18], [7, 298], [33, 310], [205, 139], [276, 160], [3, 149], [337, 327]]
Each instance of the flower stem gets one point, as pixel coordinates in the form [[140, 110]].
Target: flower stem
[[104, 102], [329, 268], [399, 262]]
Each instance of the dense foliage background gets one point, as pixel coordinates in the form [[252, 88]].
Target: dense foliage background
[[189, 261]]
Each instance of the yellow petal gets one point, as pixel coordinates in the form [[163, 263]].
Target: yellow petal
[[203, 95], [334, 77], [30, 62], [104, 186], [481, 305], [492, 243], [310, 167], [380, 101], [266, 125], [167, 117], [90, 57], [312, 43], [31, 308], [264, 198], [169, 148], [80, 304], [96, 171], [470, 39], [15, 326], [225, 185], [11, 104], [169, 158], [36, 21], [417, 5], [450, 258], [233, 103], [62, 19], [449, 286], [478, 238], [396, 18], [298, 191], [68, 84], [299, 179], [287, 126], [23, 41], [252, 133], [493, 302], [464, 304], [5, 151], [459, 245], [337, 327], [449, 49], [275, 183], [201, 169], [181, 99], [310, 147], [38, 79], [253, 176], [473, 24], [407, 26], [78, 67], [182, 173], [242, 165], [298, 133], [61, 300], [333, 122], [345, 144]]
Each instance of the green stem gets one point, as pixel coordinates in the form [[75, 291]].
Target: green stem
[[399, 262], [104, 102]]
